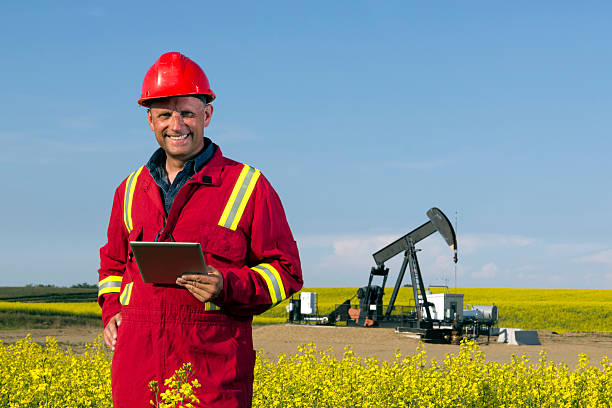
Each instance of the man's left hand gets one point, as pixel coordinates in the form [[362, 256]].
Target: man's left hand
[[203, 287]]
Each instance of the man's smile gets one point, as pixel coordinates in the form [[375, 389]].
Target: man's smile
[[182, 137]]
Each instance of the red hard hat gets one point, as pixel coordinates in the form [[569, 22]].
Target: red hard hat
[[173, 74]]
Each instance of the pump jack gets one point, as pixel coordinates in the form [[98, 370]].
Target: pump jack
[[422, 318], [441, 318]]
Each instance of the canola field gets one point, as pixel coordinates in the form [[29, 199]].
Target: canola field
[[560, 310], [32, 375], [55, 308]]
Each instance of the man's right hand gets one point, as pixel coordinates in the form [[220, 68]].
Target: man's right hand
[[110, 331]]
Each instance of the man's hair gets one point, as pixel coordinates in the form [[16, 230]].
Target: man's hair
[[203, 98]]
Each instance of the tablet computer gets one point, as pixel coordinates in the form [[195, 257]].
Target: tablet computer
[[163, 262]]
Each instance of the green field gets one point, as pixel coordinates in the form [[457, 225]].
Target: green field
[[560, 310], [47, 294]]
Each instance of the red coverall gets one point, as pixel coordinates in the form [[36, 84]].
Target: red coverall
[[237, 217]]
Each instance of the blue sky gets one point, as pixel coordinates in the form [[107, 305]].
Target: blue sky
[[363, 115]]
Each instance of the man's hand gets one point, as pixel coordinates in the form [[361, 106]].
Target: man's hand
[[203, 287], [110, 331]]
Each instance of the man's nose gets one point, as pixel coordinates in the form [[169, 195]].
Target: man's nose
[[177, 124]]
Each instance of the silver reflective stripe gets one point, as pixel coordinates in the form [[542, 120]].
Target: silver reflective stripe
[[272, 279], [110, 284], [243, 188]]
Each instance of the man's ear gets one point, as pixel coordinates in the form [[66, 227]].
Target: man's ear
[[150, 119], [208, 111]]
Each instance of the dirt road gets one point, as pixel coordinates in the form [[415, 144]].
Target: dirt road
[[380, 343]]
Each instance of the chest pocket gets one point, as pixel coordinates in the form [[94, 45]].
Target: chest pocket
[[224, 245]]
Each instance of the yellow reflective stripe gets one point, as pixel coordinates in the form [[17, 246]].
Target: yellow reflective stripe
[[232, 199], [273, 280], [125, 296], [245, 200], [208, 306], [130, 186], [110, 284], [232, 213]]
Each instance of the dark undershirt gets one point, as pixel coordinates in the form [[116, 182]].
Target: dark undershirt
[[157, 167]]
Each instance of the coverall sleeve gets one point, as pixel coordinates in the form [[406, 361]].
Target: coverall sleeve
[[273, 272], [113, 258]]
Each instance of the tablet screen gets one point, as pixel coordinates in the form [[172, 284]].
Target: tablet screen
[[163, 262]]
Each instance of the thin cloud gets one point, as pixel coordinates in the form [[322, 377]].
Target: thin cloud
[[565, 248], [488, 271], [602, 257], [471, 243], [484, 259], [347, 250], [339, 259], [347, 258]]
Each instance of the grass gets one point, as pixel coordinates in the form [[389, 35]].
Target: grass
[[19, 320]]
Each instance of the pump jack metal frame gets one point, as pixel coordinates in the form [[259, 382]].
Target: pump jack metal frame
[[422, 320]]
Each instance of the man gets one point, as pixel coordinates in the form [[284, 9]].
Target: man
[[190, 192]]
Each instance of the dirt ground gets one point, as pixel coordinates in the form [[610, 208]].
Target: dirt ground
[[367, 342]]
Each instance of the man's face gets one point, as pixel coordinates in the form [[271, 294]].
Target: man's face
[[178, 123]]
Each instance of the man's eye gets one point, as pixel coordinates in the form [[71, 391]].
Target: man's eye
[[187, 114], [164, 115]]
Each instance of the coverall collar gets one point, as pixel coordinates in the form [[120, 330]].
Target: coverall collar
[[210, 174]]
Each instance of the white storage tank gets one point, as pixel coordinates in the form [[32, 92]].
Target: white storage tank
[[446, 305], [489, 312], [308, 302], [473, 314]]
